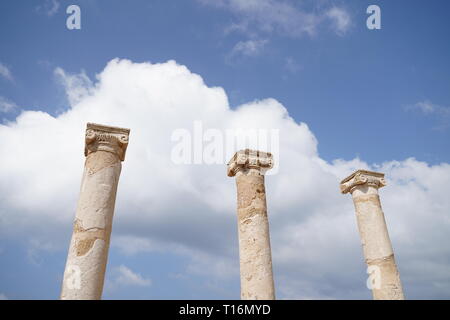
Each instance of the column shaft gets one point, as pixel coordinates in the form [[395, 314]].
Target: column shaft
[[376, 244], [254, 240], [253, 225], [88, 253], [377, 247]]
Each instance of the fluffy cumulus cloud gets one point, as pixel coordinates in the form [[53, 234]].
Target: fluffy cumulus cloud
[[188, 210], [77, 85]]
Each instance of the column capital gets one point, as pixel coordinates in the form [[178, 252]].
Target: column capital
[[106, 138], [249, 159], [362, 177]]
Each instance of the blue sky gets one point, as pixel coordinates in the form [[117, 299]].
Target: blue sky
[[375, 95], [380, 71]]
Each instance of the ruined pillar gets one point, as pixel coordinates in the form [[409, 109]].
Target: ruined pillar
[[377, 248], [88, 253], [253, 225]]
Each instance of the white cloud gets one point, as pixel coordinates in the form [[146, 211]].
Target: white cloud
[[126, 277], [77, 86], [3, 296], [6, 105], [5, 72], [287, 18], [426, 107], [430, 109], [249, 48], [340, 18], [189, 210], [48, 7], [202, 263], [131, 245], [35, 248]]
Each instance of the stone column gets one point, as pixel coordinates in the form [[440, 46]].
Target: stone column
[[88, 253], [253, 225], [377, 248]]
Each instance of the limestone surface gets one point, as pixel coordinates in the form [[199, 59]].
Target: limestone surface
[[253, 225], [377, 247], [88, 252]]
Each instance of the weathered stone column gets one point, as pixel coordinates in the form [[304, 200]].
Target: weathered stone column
[[88, 253], [253, 225], [378, 252]]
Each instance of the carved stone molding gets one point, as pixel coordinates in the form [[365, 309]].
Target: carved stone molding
[[362, 177], [106, 138], [250, 159]]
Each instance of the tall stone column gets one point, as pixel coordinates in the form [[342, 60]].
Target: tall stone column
[[88, 253], [253, 225], [377, 248]]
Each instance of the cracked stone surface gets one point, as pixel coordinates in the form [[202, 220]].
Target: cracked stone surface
[[253, 225], [377, 247], [88, 252]]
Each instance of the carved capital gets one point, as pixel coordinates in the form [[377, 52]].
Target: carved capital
[[362, 177], [249, 159], [105, 138]]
